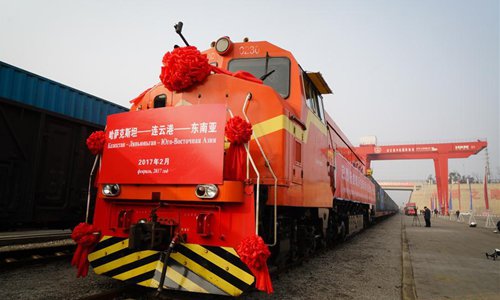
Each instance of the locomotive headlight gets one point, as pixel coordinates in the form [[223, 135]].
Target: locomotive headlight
[[206, 191], [223, 45], [111, 190]]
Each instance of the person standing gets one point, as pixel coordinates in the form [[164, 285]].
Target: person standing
[[427, 216]]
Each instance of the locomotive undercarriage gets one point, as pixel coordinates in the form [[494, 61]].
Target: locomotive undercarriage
[[302, 231]]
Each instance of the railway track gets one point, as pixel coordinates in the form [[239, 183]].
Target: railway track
[[34, 236], [27, 247]]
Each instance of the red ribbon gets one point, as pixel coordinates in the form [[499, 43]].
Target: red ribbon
[[86, 236], [96, 141], [186, 66], [239, 74], [254, 253], [238, 132]]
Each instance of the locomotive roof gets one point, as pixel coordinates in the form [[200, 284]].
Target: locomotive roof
[[319, 82]]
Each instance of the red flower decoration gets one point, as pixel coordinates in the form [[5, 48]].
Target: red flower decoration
[[184, 67], [238, 131], [254, 253], [86, 236], [96, 141]]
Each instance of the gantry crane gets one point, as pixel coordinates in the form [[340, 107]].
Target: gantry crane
[[439, 153]]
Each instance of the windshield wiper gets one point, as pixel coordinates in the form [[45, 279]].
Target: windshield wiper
[[263, 77]]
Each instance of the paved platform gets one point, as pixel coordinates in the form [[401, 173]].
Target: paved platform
[[448, 259]]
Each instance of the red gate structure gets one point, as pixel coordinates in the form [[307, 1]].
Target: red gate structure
[[439, 153]]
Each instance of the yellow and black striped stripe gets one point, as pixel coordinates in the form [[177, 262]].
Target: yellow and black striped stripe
[[191, 267]]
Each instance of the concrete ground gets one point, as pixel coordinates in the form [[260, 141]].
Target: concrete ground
[[448, 259]]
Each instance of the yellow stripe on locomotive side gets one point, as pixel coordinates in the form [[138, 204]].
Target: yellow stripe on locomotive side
[[282, 122], [221, 263], [312, 118], [269, 126], [206, 274]]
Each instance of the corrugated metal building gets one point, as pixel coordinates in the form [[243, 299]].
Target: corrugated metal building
[[44, 161]]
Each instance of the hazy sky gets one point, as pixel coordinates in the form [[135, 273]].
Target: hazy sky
[[405, 71]]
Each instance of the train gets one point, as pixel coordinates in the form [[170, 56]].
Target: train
[[44, 166], [229, 167]]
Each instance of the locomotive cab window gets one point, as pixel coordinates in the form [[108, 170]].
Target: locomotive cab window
[[314, 100], [275, 71]]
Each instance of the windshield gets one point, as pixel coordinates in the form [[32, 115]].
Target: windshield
[[279, 79]]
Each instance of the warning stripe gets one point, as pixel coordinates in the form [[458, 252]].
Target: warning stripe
[[135, 272], [107, 241], [141, 278], [105, 257], [126, 264], [191, 267], [206, 274], [109, 246], [222, 273], [231, 250], [233, 268], [182, 278], [228, 254]]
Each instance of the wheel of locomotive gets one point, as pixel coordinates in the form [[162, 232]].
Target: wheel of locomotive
[[342, 231], [305, 240], [294, 245], [366, 218], [331, 230], [311, 241]]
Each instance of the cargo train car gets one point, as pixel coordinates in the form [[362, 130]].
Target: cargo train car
[[384, 204], [44, 166], [231, 162]]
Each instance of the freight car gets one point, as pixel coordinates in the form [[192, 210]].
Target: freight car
[[43, 164], [384, 204], [232, 150]]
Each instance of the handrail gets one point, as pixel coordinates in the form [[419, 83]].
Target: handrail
[[90, 185], [249, 158], [268, 164]]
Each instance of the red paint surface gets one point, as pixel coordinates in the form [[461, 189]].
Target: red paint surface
[[352, 184]]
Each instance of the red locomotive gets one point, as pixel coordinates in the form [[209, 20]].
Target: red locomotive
[[210, 176]]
